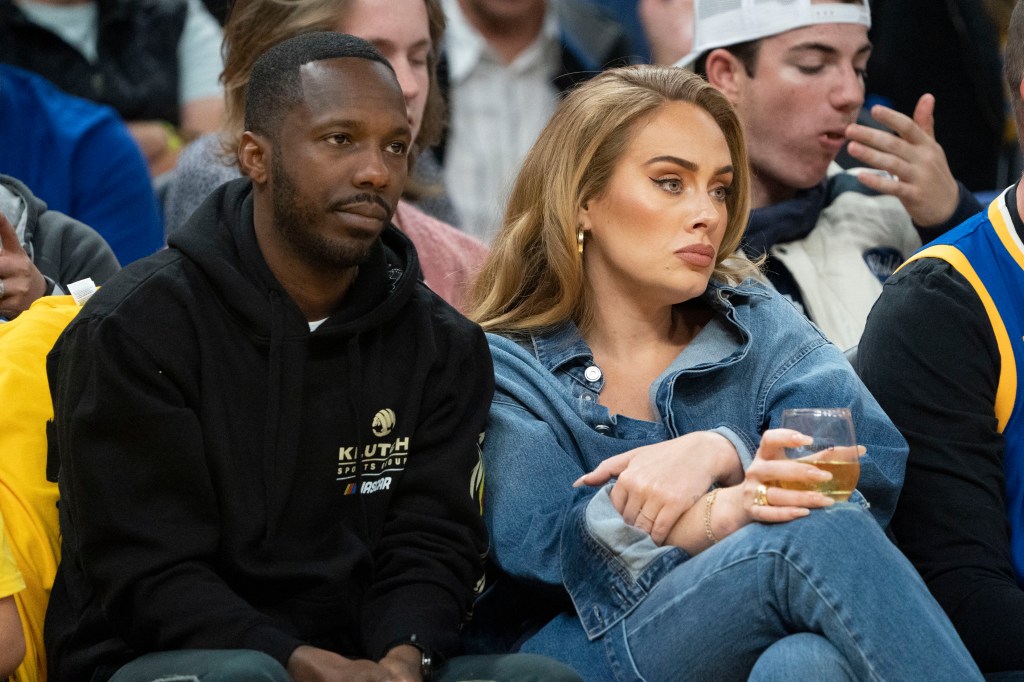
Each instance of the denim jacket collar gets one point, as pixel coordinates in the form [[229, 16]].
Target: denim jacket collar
[[730, 335]]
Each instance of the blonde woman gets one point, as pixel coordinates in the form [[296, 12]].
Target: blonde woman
[[632, 460]]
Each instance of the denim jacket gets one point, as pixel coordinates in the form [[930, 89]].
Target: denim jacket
[[756, 357]]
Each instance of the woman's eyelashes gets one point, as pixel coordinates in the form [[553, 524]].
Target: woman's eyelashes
[[676, 186]]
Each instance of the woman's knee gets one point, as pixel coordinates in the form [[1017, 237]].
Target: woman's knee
[[803, 656]]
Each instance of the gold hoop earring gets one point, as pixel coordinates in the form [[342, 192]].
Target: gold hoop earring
[[580, 236]]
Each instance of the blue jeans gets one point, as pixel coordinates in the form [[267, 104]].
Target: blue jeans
[[739, 609], [234, 665]]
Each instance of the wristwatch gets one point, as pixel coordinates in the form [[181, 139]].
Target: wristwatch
[[426, 657]]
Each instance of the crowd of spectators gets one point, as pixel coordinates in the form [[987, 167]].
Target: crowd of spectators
[[865, 201]]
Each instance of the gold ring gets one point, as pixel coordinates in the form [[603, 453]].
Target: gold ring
[[761, 495]]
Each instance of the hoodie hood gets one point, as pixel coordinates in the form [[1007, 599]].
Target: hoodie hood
[[220, 240]]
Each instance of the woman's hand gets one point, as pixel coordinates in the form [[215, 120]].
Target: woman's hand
[[658, 483], [739, 505]]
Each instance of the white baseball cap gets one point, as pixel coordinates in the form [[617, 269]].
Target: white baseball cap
[[721, 23]]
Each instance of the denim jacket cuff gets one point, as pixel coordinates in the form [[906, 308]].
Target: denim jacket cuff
[[744, 448], [609, 566]]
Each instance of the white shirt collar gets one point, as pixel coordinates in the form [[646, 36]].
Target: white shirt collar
[[465, 47]]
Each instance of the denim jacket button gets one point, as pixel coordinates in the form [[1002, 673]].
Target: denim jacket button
[[592, 373], [602, 428], [588, 397]]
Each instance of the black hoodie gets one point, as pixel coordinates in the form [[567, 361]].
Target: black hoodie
[[229, 479]]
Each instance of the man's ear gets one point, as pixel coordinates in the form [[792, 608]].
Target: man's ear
[[726, 72], [253, 156]]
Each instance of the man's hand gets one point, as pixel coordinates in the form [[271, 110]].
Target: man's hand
[[157, 144], [403, 661], [22, 281], [310, 664], [923, 182]]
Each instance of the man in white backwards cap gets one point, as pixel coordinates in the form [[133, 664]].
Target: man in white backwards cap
[[794, 70]]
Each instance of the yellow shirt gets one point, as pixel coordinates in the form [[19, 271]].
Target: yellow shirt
[[11, 581], [28, 502]]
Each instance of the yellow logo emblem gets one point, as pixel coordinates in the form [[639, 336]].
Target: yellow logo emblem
[[383, 422]]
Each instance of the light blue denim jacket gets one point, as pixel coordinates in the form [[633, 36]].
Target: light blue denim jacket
[[756, 357]]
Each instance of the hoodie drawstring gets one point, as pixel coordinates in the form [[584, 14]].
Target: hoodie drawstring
[[272, 421], [355, 393]]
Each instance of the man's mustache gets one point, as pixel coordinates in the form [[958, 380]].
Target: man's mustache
[[363, 198]]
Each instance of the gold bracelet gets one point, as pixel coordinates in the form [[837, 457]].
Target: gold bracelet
[[708, 501]]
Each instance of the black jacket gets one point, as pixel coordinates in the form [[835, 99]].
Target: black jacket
[[229, 479], [930, 357], [136, 71]]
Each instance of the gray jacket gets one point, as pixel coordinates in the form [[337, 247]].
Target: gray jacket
[[63, 249]]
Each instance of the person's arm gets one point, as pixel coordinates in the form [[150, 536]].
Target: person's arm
[[113, 192], [929, 355], [429, 557], [200, 64], [825, 378], [12, 637], [139, 512], [12, 632], [921, 178], [656, 484], [668, 27]]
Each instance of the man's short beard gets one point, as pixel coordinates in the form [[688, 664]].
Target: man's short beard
[[293, 220]]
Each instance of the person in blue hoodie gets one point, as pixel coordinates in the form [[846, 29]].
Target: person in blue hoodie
[[269, 433], [79, 158]]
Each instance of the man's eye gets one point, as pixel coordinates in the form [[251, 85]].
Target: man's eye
[[338, 139], [398, 148]]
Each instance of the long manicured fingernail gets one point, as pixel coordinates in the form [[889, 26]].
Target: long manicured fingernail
[[578, 482], [819, 474]]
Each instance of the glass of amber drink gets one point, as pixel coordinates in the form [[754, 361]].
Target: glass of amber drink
[[834, 449]]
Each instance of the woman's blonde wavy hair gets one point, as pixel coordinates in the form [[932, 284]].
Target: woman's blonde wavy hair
[[533, 278], [254, 26]]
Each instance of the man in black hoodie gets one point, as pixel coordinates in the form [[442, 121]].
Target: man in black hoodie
[[269, 432]]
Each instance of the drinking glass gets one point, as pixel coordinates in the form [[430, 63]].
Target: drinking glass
[[834, 449]]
